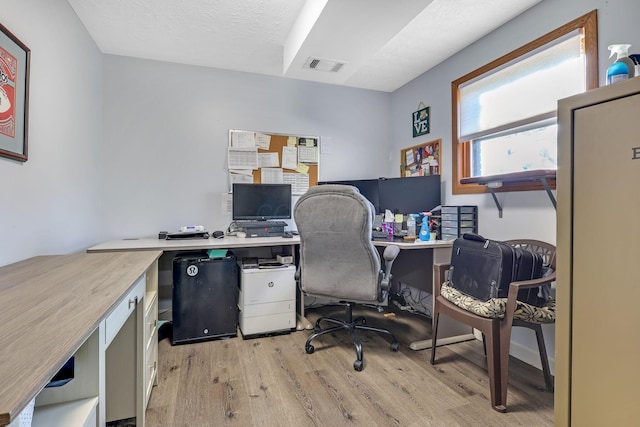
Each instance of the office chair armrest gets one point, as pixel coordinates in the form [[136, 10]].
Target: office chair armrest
[[440, 275], [390, 254]]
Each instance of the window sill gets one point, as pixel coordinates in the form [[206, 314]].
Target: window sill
[[503, 182]]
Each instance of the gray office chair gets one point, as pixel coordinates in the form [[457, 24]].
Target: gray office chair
[[338, 260]]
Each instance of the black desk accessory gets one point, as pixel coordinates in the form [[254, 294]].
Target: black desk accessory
[[188, 235]]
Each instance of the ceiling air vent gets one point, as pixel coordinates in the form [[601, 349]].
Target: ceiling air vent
[[320, 64]]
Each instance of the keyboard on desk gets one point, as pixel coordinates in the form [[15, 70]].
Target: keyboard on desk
[[258, 224], [375, 234]]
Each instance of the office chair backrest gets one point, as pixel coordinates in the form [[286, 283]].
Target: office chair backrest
[[337, 258]]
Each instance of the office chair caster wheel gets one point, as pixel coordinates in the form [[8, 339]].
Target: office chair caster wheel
[[395, 346], [358, 365], [309, 349]]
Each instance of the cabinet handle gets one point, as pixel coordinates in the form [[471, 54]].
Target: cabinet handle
[[270, 284], [133, 302]]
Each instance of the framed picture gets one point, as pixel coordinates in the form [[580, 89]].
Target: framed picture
[[420, 120], [14, 96]]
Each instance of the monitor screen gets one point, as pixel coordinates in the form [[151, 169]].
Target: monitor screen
[[409, 195], [261, 202], [367, 187]]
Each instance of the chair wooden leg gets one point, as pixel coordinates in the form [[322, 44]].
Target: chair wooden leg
[[542, 349], [544, 359], [484, 345], [495, 369], [434, 333]]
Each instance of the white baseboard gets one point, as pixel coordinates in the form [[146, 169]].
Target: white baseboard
[[528, 355]]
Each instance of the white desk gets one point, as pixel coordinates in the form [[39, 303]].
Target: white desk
[[228, 242], [414, 266]]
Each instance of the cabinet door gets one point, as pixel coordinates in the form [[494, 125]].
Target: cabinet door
[[606, 249]]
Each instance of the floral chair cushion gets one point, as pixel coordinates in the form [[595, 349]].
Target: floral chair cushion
[[495, 308]]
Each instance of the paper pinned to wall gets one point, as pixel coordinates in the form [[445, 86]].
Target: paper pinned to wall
[[268, 160], [308, 150], [302, 168], [299, 182], [251, 151], [226, 203], [263, 142], [242, 158], [409, 157], [271, 175], [238, 178], [243, 139], [289, 157]]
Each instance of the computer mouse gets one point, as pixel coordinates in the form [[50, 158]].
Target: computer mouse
[[218, 234], [287, 235]]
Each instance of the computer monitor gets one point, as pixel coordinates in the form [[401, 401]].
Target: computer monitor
[[367, 187], [261, 202], [409, 195]]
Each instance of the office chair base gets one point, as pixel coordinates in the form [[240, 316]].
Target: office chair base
[[351, 325]]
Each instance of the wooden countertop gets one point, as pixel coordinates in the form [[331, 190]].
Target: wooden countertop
[[49, 305], [228, 242]]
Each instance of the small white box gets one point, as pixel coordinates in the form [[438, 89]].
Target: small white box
[[284, 259]]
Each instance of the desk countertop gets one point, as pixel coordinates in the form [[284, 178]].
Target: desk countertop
[[153, 243], [417, 244], [49, 305], [228, 242]]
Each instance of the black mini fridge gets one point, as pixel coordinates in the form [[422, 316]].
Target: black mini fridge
[[205, 298]]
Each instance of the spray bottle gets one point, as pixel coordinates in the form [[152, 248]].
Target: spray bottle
[[623, 68], [425, 233]]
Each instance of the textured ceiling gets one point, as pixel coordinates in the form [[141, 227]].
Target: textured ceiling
[[383, 43]]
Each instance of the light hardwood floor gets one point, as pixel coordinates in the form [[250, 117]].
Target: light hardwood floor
[[271, 381]]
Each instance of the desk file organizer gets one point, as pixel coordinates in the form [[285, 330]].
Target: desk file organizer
[[205, 298]]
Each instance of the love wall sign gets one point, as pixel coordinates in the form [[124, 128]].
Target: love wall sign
[[420, 120]]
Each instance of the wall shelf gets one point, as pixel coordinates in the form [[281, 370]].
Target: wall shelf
[[547, 177]]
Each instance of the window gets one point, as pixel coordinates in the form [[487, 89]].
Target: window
[[504, 113]]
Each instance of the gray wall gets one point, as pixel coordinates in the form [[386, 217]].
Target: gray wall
[[526, 214], [166, 133], [48, 204]]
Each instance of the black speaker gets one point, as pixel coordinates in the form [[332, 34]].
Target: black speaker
[[205, 298]]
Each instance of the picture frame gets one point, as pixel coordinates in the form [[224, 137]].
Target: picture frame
[[420, 120], [15, 59]]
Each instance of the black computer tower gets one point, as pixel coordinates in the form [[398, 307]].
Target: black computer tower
[[205, 298]]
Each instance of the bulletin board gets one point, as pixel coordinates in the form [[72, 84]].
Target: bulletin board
[[421, 160], [270, 150]]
